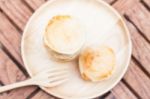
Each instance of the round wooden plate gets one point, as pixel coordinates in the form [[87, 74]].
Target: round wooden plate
[[104, 26]]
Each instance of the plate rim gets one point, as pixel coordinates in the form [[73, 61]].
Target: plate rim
[[94, 95]]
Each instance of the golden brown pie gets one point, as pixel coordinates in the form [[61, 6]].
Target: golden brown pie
[[97, 64], [64, 37]]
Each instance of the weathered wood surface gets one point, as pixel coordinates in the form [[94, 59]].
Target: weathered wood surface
[[121, 92], [14, 15], [10, 73]]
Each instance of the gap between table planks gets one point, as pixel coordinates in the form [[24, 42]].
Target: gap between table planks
[[133, 84]]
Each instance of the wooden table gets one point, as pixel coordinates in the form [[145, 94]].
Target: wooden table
[[14, 15]]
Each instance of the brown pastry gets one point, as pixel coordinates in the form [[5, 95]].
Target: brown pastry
[[97, 64], [64, 37]]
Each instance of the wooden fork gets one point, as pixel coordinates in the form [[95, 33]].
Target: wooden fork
[[47, 78]]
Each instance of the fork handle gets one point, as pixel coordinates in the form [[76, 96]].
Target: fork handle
[[16, 85]]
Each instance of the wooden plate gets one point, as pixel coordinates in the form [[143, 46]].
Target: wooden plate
[[104, 26]]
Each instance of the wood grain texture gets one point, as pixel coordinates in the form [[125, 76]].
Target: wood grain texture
[[147, 2], [110, 1], [35, 3], [10, 37], [17, 11], [12, 41], [120, 91], [123, 6], [110, 96], [141, 47], [10, 73], [43, 95], [140, 16], [138, 81]]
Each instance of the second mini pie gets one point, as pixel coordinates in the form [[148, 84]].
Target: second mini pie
[[97, 63]]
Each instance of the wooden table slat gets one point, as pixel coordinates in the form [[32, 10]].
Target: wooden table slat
[[123, 6], [141, 18], [12, 41], [141, 47], [138, 81], [10, 37], [121, 92], [110, 96], [10, 73], [17, 11], [43, 95], [110, 1], [35, 3], [147, 2]]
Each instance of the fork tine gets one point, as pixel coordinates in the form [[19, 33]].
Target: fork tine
[[52, 77]]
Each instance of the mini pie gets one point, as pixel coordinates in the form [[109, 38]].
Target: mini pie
[[64, 37], [97, 63]]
